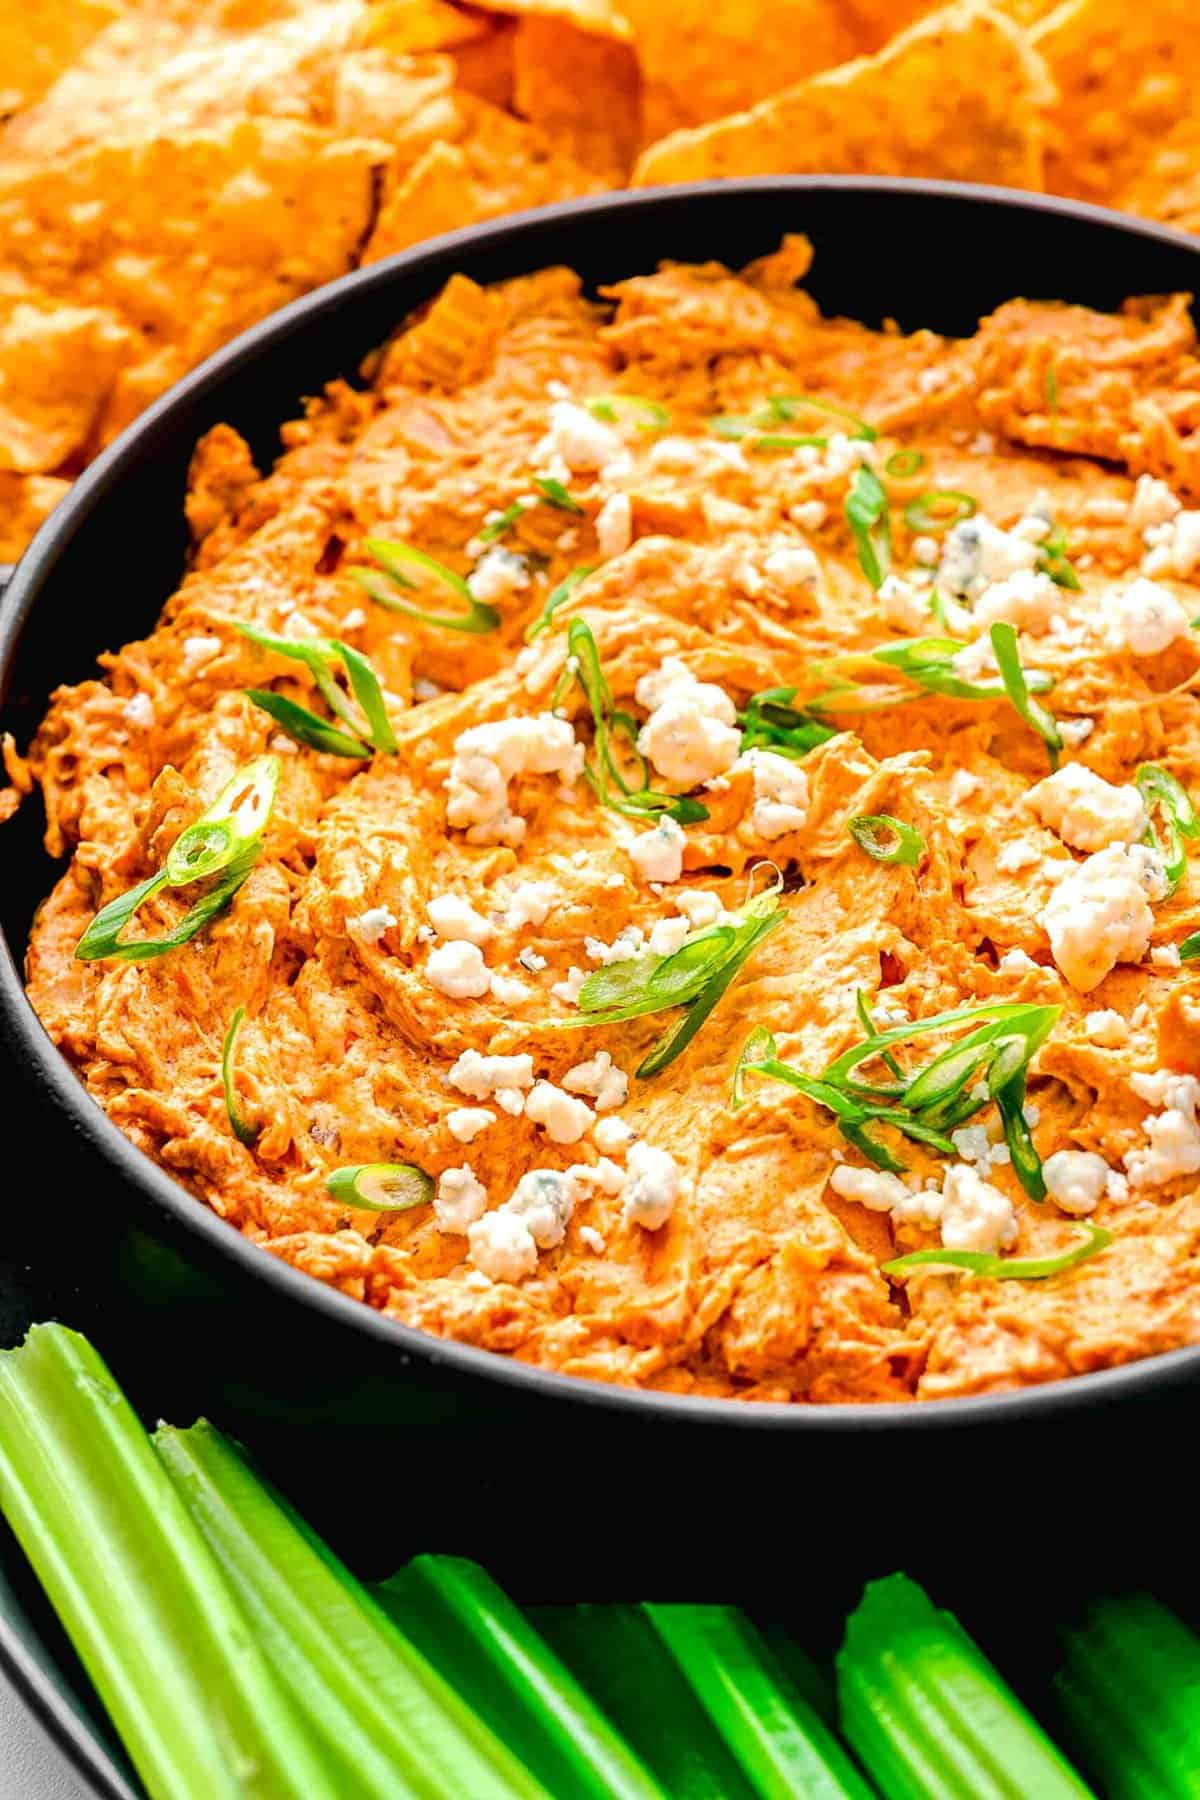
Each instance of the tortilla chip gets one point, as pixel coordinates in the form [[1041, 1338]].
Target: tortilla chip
[[498, 165], [599, 16], [58, 365], [451, 343], [41, 38], [583, 91], [25, 500], [405, 26], [1125, 71], [484, 67], [702, 59], [959, 95]]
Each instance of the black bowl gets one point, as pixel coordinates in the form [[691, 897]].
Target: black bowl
[[232, 1328]]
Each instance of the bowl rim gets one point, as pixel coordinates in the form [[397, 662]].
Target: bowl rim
[[192, 1219]]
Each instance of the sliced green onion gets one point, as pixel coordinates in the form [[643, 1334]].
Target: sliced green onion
[[783, 1746], [307, 728], [1189, 949], [1017, 687], [505, 522], [245, 1133], [320, 656], [610, 1648], [555, 494], [1006, 1268], [1160, 790], [500, 1666], [1053, 560], [771, 722], [225, 839], [901, 465], [788, 407], [928, 1715], [863, 1010], [647, 415], [137, 1590], [398, 561], [887, 840], [387, 1724], [1052, 391], [938, 510], [381, 1187], [870, 523], [759, 1049], [1129, 1688], [557, 597]]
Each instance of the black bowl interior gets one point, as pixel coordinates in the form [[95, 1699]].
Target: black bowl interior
[[97, 575]]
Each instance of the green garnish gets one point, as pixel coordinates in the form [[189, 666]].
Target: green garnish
[[1017, 687], [607, 778], [381, 1187], [989, 1064], [245, 1133], [1006, 1268], [1053, 559], [398, 562], [555, 494], [769, 721], [557, 597], [938, 510], [694, 976], [927, 662], [225, 840], [887, 840], [1189, 949], [1162, 793], [1052, 391], [505, 522], [902, 464], [552, 492], [647, 415], [783, 409], [320, 656], [870, 523]]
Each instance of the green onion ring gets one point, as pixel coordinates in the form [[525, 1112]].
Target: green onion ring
[[951, 508], [381, 1187], [872, 832]]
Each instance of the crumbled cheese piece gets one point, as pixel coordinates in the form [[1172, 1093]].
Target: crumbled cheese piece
[[973, 1144], [563, 1119], [466, 1122], [1017, 962], [599, 1078], [497, 574], [1075, 732], [614, 525], [1166, 956], [488, 756], [975, 661], [904, 606], [926, 551], [780, 793], [455, 918], [530, 959], [200, 649], [578, 439], [509, 991], [1016, 855], [977, 553], [810, 515], [482, 1076], [1077, 1179], [700, 907], [792, 566], [963, 786], [1143, 617], [370, 925], [528, 904], [461, 1199], [139, 710], [608, 1176], [1173, 1133], [1029, 600], [1099, 914], [658, 855], [1086, 811], [1153, 503], [975, 1215], [872, 1188], [1106, 1028], [544, 1199], [567, 990], [1179, 552], [591, 1240], [692, 732], [652, 1188], [667, 936], [459, 971], [624, 947], [502, 1246], [611, 1136]]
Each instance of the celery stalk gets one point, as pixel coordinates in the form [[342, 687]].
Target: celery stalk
[[1130, 1689], [137, 1589], [616, 1654], [782, 1745], [388, 1723], [486, 1648], [929, 1715]]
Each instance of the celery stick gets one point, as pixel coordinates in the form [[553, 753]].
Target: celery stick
[[485, 1647], [810, 1681], [1130, 1689], [780, 1742], [137, 1589], [929, 1715], [388, 1722], [617, 1655]]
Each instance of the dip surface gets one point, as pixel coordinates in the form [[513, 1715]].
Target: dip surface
[[415, 915]]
